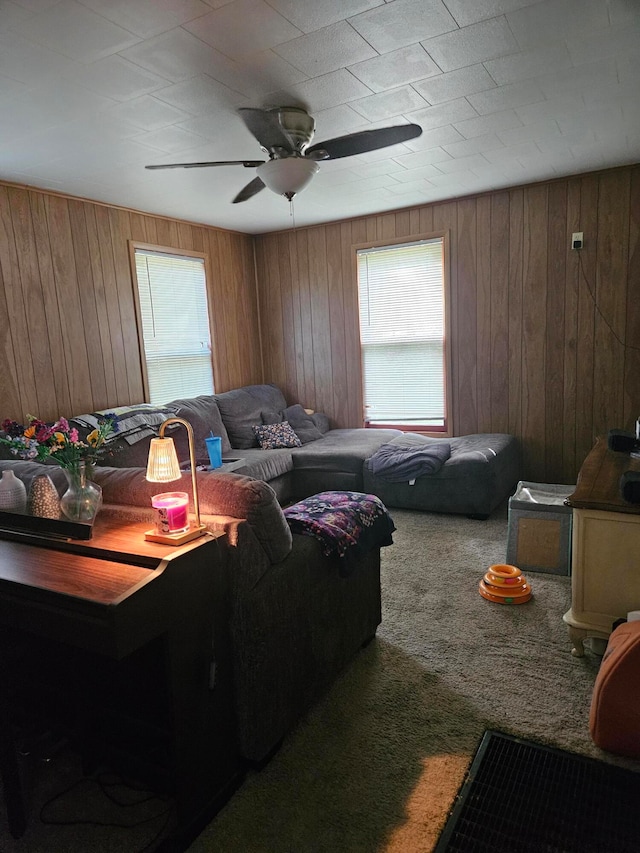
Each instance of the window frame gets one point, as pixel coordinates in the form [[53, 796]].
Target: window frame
[[134, 246], [447, 430]]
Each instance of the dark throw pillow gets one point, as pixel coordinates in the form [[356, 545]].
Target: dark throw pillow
[[302, 423], [273, 436]]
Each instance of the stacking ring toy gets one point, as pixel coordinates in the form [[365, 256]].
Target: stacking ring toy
[[504, 584]]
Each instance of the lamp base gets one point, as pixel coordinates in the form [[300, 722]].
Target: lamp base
[[194, 532]]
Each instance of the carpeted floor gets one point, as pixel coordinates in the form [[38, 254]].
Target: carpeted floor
[[376, 765]]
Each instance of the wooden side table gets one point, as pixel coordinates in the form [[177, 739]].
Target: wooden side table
[[129, 606], [605, 579]]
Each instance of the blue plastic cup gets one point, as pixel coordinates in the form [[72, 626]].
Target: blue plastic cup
[[214, 449]]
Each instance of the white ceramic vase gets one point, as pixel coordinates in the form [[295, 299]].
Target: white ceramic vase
[[13, 493]]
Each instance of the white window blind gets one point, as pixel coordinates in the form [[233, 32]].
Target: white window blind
[[175, 323], [401, 295]]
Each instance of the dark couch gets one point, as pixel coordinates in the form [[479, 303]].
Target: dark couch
[[482, 471], [295, 618]]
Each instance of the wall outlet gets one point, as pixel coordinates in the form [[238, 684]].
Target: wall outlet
[[577, 241]]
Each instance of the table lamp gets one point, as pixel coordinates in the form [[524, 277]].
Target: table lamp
[[172, 508]]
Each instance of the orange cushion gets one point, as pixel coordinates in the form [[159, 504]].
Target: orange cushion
[[614, 721]]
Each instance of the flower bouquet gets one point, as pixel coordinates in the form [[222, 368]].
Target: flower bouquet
[[61, 443]]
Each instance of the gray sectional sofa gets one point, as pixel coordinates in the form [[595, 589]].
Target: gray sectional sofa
[[481, 472], [294, 618]]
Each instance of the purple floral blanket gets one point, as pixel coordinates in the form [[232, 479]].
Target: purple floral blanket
[[347, 524]]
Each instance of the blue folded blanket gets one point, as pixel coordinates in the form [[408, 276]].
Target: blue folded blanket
[[398, 464]]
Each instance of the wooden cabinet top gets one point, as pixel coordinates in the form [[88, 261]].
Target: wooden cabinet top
[[598, 485]]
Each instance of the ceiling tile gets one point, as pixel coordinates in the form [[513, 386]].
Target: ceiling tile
[[433, 138], [326, 50], [171, 139], [10, 89], [591, 77], [488, 124], [421, 158], [117, 78], [312, 16], [178, 55], [615, 41], [471, 11], [11, 15], [75, 31], [147, 18], [454, 84], [395, 69], [403, 22], [49, 106], [200, 95], [506, 97], [554, 108], [521, 152], [475, 145], [29, 63], [149, 113], [260, 74], [460, 164], [418, 173], [557, 20], [473, 44], [337, 121], [262, 28], [529, 63], [384, 105], [442, 114], [326, 91], [530, 133]]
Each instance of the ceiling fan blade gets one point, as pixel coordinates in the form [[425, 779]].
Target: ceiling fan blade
[[264, 125], [250, 190], [249, 164], [366, 140]]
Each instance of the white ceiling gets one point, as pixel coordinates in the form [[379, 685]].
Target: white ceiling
[[506, 91]]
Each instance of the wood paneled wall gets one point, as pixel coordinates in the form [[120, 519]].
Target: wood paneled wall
[[545, 340], [67, 318]]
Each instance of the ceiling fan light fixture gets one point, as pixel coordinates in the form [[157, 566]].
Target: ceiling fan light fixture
[[287, 176]]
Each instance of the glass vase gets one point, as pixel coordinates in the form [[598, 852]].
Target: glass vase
[[83, 499]]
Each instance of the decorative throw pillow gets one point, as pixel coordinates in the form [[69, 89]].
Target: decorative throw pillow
[[273, 436]]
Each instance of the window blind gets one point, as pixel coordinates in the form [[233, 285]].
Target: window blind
[[401, 299], [175, 324]]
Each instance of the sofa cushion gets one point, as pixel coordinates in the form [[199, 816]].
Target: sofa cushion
[[265, 466], [274, 436], [204, 416], [342, 449], [302, 423], [242, 408]]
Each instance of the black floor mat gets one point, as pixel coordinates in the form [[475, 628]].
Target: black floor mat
[[522, 797]]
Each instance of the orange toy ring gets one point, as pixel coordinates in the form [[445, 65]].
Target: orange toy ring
[[500, 580], [505, 599], [503, 592], [503, 570]]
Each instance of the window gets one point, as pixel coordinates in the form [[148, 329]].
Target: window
[[402, 334], [174, 316]]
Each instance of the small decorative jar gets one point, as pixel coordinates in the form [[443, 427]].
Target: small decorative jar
[[13, 493], [43, 500]]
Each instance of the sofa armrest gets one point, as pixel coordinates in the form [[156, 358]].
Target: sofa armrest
[[219, 494]]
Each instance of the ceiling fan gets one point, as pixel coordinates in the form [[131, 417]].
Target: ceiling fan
[[285, 133]]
